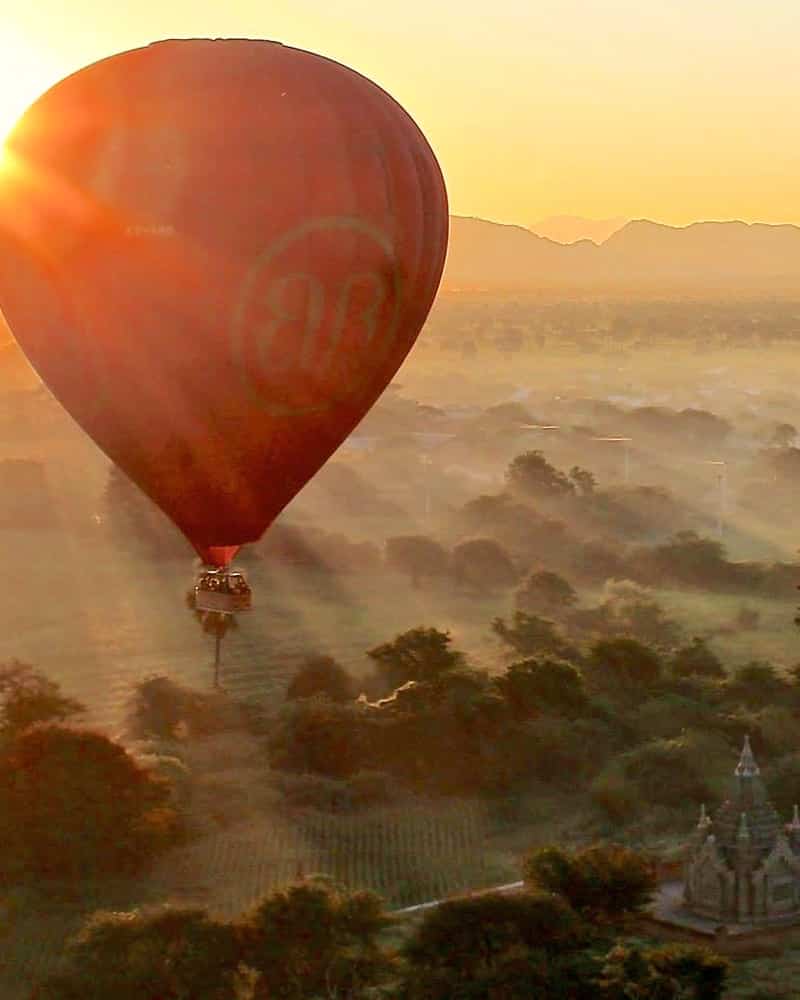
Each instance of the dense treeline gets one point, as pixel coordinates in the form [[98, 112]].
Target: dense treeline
[[650, 732], [567, 934]]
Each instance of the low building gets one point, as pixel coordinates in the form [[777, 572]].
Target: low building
[[743, 865]]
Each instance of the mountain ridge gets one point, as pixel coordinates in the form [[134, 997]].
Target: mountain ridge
[[642, 257]]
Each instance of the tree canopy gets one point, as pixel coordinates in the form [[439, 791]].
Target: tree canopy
[[73, 803]]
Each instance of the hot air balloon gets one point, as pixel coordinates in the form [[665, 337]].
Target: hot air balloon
[[216, 254]]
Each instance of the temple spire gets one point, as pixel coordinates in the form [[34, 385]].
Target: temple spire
[[744, 831], [747, 766]]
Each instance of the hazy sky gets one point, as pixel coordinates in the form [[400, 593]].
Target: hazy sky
[[676, 110]]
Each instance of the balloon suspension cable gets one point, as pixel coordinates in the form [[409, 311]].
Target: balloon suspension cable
[[217, 657]]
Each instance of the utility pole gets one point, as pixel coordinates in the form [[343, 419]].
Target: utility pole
[[722, 484]]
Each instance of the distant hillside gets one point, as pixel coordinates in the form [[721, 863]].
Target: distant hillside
[[571, 228], [642, 258]]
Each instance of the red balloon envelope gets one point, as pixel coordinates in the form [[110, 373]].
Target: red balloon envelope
[[217, 254]]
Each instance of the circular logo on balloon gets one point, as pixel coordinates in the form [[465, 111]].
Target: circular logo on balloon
[[317, 315]]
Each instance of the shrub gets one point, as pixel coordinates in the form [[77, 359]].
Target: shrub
[[482, 564], [616, 798], [545, 593], [318, 736], [311, 940], [783, 783], [757, 684], [605, 880], [696, 659], [667, 772], [169, 953], [159, 706], [321, 675], [624, 666], [543, 685]]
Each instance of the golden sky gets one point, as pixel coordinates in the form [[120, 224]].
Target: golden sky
[[674, 110]]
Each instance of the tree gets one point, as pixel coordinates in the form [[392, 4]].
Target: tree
[[783, 782], [585, 482], [623, 665], [73, 803], [483, 564], [690, 559], [318, 736], [418, 556], [311, 940], [529, 635], [170, 954], [494, 945], [757, 684], [532, 475], [672, 972], [321, 675], [534, 685], [605, 881], [701, 972], [696, 659], [667, 772], [158, 705], [420, 654], [630, 610], [28, 697], [783, 436], [545, 593]]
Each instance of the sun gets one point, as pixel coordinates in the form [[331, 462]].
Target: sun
[[24, 74]]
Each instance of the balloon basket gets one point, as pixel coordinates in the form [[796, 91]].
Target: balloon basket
[[222, 590]]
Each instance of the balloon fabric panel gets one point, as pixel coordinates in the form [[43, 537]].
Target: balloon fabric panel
[[217, 254]]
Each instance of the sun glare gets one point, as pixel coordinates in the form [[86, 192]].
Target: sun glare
[[24, 75]]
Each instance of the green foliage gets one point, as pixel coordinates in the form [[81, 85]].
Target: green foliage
[[545, 593], [585, 482], [667, 772], [557, 751], [543, 685], [673, 972], [166, 955], [310, 940], [318, 736], [482, 564], [691, 560], [604, 882], [321, 675], [668, 713], [158, 705], [757, 684], [783, 783], [74, 804], [696, 659], [364, 789], [419, 654], [442, 735], [629, 611], [470, 947], [529, 635], [532, 475], [700, 972], [616, 798], [417, 556], [623, 665], [27, 697]]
